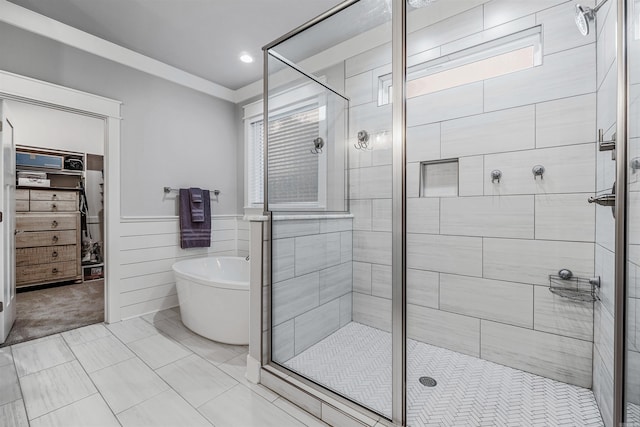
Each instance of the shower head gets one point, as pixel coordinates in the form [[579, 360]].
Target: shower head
[[584, 14], [419, 3], [582, 17]]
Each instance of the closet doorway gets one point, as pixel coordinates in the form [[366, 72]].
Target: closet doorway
[[58, 217], [64, 192]]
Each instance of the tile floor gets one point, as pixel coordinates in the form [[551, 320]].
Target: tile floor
[[148, 371], [356, 361]]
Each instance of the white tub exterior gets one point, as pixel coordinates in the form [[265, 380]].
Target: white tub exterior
[[213, 293]]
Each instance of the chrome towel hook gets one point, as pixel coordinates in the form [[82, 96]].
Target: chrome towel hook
[[318, 144], [363, 141]]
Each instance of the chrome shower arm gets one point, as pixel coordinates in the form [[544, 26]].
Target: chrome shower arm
[[598, 6]]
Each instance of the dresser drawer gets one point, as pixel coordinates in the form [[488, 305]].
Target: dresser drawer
[[46, 238], [46, 272], [52, 206], [46, 222], [46, 255], [54, 195], [22, 194], [22, 206]]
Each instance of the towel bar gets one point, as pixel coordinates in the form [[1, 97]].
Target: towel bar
[[168, 190]]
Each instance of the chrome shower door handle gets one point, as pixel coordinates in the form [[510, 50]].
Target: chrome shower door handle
[[604, 200]]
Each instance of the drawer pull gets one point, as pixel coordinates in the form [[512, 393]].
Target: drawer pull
[[54, 270], [54, 197], [54, 254], [54, 239], [54, 207], [54, 224]]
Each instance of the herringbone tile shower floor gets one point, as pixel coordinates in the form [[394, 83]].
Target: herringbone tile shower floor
[[356, 362]]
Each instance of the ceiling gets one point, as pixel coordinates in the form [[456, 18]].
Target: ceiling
[[202, 37]]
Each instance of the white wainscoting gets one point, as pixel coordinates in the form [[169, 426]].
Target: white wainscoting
[[148, 248]]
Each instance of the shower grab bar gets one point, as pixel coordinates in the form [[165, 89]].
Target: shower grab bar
[[168, 190]]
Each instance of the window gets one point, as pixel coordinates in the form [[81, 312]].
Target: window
[[494, 58], [297, 177]]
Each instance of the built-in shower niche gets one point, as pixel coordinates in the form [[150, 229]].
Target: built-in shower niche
[[439, 178]]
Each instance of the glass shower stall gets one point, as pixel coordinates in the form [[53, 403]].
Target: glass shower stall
[[450, 188]]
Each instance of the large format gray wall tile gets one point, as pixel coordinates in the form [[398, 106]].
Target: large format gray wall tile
[[471, 178], [443, 329], [335, 282], [501, 216], [381, 281], [563, 74], [532, 261], [292, 228], [447, 104], [295, 296], [423, 142], [423, 288], [372, 311], [282, 259], [565, 217], [552, 356], [560, 176], [282, 341], [500, 11], [566, 121], [423, 215], [445, 31], [505, 302], [562, 316], [362, 277], [372, 246], [316, 252], [370, 183], [316, 324], [447, 254], [506, 130]]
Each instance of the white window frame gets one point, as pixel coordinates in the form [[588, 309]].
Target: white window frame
[[307, 95]]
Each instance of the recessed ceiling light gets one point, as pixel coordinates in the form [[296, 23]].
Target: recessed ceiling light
[[246, 58]]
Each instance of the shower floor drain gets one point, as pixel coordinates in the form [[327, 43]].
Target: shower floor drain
[[428, 381]]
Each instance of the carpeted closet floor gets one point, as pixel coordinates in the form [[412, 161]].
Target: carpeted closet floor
[[49, 311]]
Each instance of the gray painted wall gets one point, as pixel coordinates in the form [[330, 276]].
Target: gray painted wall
[[171, 135]]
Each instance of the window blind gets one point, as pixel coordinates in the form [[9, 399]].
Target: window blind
[[293, 169]]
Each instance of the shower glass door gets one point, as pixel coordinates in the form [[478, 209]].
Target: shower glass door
[[329, 196], [503, 103]]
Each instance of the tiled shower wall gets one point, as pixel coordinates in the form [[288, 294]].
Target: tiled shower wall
[[605, 226], [478, 263], [312, 275]]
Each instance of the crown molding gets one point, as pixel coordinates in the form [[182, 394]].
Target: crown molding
[[28, 20]]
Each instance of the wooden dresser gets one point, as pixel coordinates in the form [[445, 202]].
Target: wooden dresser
[[48, 239]]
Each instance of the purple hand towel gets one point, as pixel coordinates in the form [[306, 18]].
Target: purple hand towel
[[196, 205], [194, 234]]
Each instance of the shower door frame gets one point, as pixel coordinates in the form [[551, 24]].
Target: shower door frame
[[398, 313], [621, 150]]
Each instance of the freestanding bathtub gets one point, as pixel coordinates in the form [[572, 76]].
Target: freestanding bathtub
[[213, 293]]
